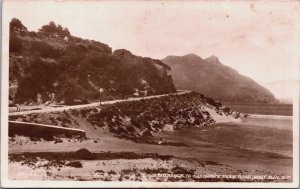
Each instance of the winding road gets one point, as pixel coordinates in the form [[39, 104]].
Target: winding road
[[59, 109]]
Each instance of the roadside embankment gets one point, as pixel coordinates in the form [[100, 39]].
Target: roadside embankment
[[137, 120]]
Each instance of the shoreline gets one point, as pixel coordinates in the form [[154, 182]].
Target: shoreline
[[275, 164], [225, 148], [270, 116]]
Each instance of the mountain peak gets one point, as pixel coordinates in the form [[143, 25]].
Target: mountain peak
[[192, 55], [188, 57], [122, 53], [212, 59], [216, 80]]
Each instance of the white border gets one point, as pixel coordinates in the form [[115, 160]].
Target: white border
[[91, 184]]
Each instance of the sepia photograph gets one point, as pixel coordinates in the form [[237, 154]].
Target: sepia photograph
[[150, 93]]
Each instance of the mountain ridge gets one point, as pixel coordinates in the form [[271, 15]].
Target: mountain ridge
[[212, 78]]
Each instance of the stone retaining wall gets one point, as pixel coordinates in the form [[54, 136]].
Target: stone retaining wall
[[41, 130]]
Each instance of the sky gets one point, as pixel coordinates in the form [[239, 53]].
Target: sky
[[259, 39]]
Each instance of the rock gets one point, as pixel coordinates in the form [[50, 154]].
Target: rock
[[168, 127], [47, 103], [61, 102], [235, 114], [76, 164], [90, 83], [57, 140]]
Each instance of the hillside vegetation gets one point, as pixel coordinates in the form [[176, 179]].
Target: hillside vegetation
[[139, 120], [77, 70]]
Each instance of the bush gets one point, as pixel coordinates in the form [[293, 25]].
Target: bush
[[32, 34], [44, 49], [76, 164], [84, 154], [226, 110], [180, 170]]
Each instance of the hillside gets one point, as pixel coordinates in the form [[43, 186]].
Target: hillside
[[139, 120], [210, 77], [74, 70]]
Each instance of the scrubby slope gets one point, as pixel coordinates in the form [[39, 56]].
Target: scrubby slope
[[139, 120], [53, 61], [210, 77]]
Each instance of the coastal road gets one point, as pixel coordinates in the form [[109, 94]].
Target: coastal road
[[95, 104]]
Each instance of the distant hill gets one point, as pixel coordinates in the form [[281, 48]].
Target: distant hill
[[210, 77], [53, 61]]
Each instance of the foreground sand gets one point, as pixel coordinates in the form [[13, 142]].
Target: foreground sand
[[128, 167]]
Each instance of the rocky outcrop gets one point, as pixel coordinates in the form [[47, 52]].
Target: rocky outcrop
[[78, 70]]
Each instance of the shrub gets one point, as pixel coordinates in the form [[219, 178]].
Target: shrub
[[44, 49], [76, 164], [155, 171], [84, 154], [181, 170], [32, 34]]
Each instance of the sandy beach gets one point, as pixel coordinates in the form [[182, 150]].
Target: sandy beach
[[221, 149]]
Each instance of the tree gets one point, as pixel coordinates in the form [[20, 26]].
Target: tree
[[16, 25], [59, 30], [66, 32], [51, 28]]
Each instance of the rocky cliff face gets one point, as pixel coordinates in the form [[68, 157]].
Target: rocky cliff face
[[210, 77], [53, 61]]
